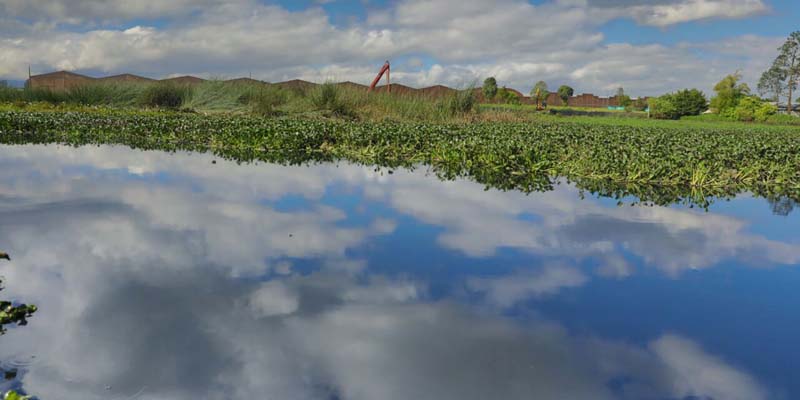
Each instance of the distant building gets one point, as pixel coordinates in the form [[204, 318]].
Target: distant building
[[3, 84], [185, 80], [126, 78], [245, 81], [58, 81]]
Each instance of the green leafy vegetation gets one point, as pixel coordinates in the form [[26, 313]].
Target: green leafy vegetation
[[659, 161], [734, 101], [682, 103]]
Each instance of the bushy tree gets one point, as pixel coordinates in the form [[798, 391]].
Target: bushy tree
[[679, 104], [766, 111], [565, 92], [490, 88], [729, 92], [508, 96], [689, 102], [751, 109], [662, 108], [539, 93]]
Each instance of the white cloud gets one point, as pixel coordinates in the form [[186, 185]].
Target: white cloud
[[87, 11], [479, 223], [691, 10], [468, 40], [273, 298], [696, 373], [219, 204], [140, 282], [508, 290]]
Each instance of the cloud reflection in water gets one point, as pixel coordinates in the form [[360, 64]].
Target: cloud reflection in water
[[170, 277]]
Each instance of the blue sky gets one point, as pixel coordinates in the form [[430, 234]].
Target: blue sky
[[648, 46]]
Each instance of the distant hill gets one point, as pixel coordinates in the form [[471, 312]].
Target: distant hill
[[63, 80]]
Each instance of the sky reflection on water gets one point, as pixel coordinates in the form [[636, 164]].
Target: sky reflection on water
[[166, 276]]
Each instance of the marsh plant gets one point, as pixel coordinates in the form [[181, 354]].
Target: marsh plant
[[166, 95], [634, 154], [330, 97]]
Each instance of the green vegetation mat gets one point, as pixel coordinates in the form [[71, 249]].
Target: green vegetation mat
[[658, 163]]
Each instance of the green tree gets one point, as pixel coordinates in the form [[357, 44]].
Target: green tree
[[539, 93], [565, 92], [662, 108], [679, 104], [772, 83], [788, 62], [729, 92], [689, 102], [508, 96], [490, 88]]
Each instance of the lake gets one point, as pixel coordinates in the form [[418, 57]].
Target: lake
[[186, 276]]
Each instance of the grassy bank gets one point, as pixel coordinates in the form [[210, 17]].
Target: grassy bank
[[660, 162], [322, 101]]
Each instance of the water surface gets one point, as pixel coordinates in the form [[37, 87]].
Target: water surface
[[168, 276]]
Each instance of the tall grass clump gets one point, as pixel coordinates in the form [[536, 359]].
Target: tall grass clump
[[43, 95], [116, 94], [166, 95], [329, 97], [218, 95], [9, 94], [266, 100], [460, 103], [384, 106]]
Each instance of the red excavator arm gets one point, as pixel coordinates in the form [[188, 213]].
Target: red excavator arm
[[385, 70]]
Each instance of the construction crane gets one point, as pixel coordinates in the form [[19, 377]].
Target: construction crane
[[386, 69]]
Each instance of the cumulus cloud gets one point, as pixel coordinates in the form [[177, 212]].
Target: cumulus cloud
[[479, 223], [468, 40], [83, 11], [696, 373], [663, 13], [162, 276], [507, 290]]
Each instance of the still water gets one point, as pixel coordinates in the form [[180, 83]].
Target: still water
[[167, 276]]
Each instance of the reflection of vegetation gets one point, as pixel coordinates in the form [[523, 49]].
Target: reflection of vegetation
[[12, 395], [782, 205], [9, 313], [658, 163]]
